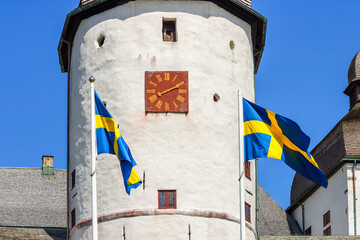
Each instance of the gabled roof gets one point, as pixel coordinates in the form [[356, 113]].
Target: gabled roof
[[341, 145], [273, 220], [31, 199], [90, 8]]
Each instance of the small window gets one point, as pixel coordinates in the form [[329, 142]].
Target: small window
[[73, 218], [167, 199], [73, 179], [247, 212], [169, 30], [326, 218], [247, 170], [308, 231], [327, 232]]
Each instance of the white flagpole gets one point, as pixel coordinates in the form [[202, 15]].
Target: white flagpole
[[93, 163], [241, 167]]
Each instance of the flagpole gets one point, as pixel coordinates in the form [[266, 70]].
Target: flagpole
[[93, 163], [241, 167]]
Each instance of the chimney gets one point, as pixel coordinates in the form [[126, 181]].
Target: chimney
[[246, 2], [47, 165]]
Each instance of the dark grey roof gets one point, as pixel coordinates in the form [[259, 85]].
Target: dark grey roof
[[30, 199], [338, 147], [273, 220], [91, 7]]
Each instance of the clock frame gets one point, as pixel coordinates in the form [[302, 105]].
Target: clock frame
[[166, 91]]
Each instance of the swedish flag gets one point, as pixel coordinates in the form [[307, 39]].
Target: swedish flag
[[109, 140], [269, 135]]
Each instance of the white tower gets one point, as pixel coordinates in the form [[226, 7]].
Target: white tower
[[184, 141]]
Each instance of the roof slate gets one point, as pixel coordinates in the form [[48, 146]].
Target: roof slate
[[273, 220], [30, 199], [341, 142]]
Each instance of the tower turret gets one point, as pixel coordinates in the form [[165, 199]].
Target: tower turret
[[353, 89], [169, 72]]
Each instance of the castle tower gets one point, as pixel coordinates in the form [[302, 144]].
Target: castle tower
[[184, 140]]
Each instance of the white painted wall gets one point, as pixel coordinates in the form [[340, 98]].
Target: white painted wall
[[197, 153], [335, 199], [351, 229]]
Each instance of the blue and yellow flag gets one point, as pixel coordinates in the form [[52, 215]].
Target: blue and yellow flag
[[109, 140], [269, 135]]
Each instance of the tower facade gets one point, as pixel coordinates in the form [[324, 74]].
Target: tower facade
[[169, 72]]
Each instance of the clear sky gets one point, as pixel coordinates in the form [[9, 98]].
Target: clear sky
[[302, 74]]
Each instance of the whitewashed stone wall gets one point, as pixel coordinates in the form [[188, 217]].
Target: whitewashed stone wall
[[197, 153], [335, 199]]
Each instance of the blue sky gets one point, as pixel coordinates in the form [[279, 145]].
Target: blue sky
[[303, 72]]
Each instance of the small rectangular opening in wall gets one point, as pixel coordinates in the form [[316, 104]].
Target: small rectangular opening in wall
[[169, 30], [73, 218], [73, 179], [167, 199], [248, 212]]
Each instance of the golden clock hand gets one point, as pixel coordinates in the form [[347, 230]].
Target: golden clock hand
[[170, 89]]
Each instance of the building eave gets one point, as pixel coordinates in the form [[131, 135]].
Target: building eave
[[314, 187], [257, 22]]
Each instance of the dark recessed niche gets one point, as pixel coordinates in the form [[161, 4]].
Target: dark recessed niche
[[232, 45], [169, 30], [101, 40], [216, 97]]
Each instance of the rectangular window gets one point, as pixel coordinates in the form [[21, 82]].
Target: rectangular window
[[73, 218], [73, 179], [169, 30], [247, 212], [327, 232], [247, 170], [167, 199], [326, 218], [308, 231]]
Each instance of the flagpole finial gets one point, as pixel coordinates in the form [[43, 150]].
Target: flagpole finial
[[92, 79]]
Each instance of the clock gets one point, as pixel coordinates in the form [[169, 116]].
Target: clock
[[166, 91]]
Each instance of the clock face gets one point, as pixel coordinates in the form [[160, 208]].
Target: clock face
[[166, 92]]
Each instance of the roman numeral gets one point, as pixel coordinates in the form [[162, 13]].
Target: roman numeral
[[150, 91], [159, 78], [152, 98], [158, 104], [167, 106], [166, 76], [180, 98], [153, 83], [182, 91], [176, 106]]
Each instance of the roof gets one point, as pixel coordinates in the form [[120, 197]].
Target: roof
[[88, 8], [341, 145], [354, 68], [273, 220], [30, 199]]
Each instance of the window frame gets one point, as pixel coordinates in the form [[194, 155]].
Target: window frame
[[247, 212], [327, 231], [165, 25], [248, 170], [167, 199], [73, 218], [73, 178], [326, 218]]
